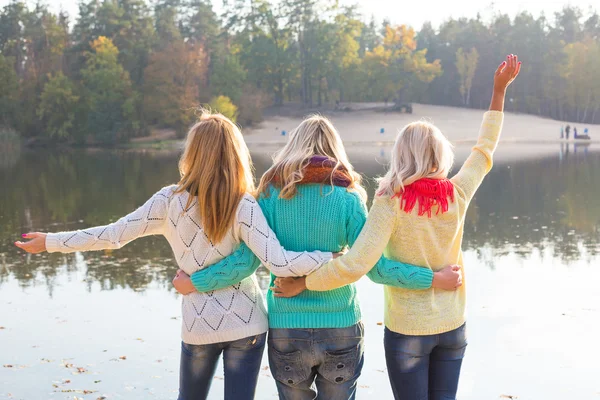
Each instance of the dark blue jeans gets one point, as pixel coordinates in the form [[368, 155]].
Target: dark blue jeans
[[241, 364], [425, 367], [332, 359]]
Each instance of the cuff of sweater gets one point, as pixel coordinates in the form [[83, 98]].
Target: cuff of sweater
[[315, 284], [201, 282], [493, 117], [52, 243], [423, 279]]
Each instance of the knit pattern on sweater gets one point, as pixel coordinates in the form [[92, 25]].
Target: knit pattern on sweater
[[232, 313]]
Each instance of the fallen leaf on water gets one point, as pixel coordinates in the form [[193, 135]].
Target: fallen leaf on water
[[8, 366], [101, 398], [266, 367], [508, 396], [1, 327], [380, 323], [123, 358], [81, 370], [97, 381], [379, 370], [66, 381], [219, 378], [139, 339]]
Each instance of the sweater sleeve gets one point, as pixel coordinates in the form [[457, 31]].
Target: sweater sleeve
[[254, 230], [230, 270], [386, 271], [479, 162], [363, 255], [147, 220]]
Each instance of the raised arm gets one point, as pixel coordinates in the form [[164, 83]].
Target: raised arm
[[365, 252], [479, 162], [254, 230], [147, 220]]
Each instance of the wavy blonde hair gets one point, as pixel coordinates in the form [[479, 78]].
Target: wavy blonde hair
[[421, 151], [216, 169], [315, 136]]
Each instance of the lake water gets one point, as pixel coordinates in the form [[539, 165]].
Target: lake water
[[108, 322]]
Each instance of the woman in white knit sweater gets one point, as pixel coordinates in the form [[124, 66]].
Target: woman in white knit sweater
[[204, 218]]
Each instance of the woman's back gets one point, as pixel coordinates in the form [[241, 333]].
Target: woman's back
[[316, 218], [433, 241]]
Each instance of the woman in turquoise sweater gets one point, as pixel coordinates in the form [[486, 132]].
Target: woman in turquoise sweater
[[313, 200]]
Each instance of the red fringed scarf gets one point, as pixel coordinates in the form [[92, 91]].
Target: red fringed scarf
[[427, 192]]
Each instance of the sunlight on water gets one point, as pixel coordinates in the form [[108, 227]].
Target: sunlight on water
[[108, 322]]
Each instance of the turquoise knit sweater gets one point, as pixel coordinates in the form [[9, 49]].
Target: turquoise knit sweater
[[318, 218]]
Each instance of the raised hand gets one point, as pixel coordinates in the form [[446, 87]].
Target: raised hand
[[37, 244], [506, 72]]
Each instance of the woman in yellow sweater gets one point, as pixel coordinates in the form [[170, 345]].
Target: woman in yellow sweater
[[418, 218]]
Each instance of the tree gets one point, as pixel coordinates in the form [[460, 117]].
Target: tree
[[58, 106], [8, 91], [223, 105], [174, 82], [108, 94], [466, 65]]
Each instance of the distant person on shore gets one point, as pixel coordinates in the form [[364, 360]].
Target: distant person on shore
[[562, 132], [585, 136], [418, 217], [567, 130], [314, 199], [204, 218]]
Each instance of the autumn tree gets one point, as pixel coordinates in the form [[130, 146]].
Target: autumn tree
[[174, 82]]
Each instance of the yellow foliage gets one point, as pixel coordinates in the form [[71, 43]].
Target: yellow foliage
[[225, 106]]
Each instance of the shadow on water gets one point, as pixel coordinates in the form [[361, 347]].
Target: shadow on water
[[548, 204]]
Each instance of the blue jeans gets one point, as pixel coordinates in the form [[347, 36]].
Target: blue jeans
[[332, 358], [241, 364], [425, 367]]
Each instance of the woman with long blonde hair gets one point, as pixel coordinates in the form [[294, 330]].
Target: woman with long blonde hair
[[418, 217], [314, 200], [204, 218]]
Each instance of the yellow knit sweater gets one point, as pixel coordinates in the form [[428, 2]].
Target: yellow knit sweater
[[432, 242]]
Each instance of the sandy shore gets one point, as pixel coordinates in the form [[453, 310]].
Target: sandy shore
[[522, 136], [458, 124]]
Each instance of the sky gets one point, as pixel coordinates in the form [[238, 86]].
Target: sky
[[403, 12]]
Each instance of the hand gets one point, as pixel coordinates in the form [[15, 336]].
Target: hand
[[288, 287], [183, 284], [506, 73], [340, 253], [450, 278], [37, 244]]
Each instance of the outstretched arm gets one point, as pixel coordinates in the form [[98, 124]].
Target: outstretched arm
[[147, 220], [479, 162]]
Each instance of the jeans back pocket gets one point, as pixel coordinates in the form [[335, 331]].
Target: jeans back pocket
[[288, 368], [342, 365]]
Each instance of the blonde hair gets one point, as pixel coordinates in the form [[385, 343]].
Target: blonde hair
[[315, 136], [216, 169], [420, 151]]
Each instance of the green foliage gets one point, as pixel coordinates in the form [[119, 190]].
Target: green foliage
[[125, 67], [223, 105], [8, 90], [107, 93], [58, 106]]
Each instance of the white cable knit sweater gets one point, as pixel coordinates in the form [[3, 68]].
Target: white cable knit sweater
[[219, 316]]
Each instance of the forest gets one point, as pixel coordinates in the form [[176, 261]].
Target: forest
[[122, 68]]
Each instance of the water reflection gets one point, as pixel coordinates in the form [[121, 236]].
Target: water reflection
[[548, 204]]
